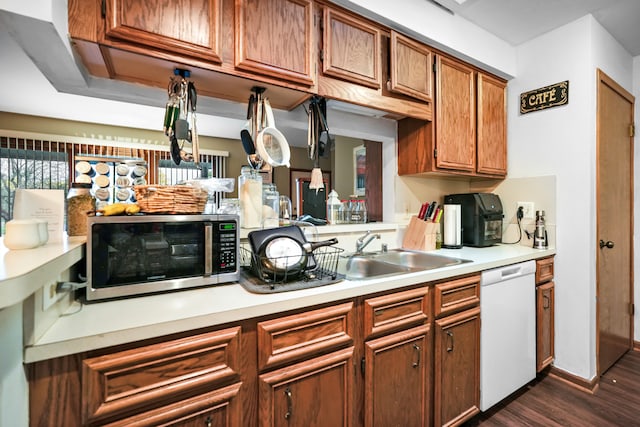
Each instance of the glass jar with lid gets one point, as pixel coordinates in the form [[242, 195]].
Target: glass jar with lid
[[80, 203], [250, 195], [270, 205]]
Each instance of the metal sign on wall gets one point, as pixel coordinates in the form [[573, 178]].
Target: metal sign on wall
[[545, 97]]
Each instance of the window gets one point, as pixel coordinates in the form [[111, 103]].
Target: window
[[38, 163]]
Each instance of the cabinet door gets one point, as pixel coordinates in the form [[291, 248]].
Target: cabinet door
[[351, 49], [457, 367], [411, 72], [185, 27], [317, 392], [455, 116], [397, 379], [544, 325], [492, 126], [275, 38]]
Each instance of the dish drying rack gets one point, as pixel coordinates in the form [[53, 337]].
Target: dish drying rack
[[322, 269]]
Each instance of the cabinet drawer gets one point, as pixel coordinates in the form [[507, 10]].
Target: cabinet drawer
[[219, 407], [126, 382], [456, 295], [301, 336], [544, 270], [396, 311]]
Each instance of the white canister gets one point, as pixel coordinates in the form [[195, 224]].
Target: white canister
[[22, 234]]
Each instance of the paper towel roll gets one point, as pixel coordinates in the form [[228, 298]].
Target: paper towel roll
[[452, 225]]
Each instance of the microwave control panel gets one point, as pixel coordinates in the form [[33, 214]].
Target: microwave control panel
[[226, 244]]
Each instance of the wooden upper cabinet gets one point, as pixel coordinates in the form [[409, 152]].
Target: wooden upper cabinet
[[455, 142], [410, 67], [275, 38], [492, 126], [351, 49], [188, 27]]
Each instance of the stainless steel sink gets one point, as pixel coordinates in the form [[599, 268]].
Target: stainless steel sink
[[365, 266], [419, 260]]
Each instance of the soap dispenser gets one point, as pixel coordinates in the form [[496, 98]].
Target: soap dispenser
[[333, 207]]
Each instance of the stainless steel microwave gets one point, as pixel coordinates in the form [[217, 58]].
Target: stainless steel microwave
[[141, 254]]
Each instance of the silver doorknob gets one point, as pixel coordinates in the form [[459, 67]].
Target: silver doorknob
[[608, 244]]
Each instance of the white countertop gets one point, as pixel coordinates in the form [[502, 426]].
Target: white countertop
[[103, 324], [22, 272]]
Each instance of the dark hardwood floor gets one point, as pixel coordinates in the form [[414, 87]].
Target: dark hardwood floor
[[549, 401]]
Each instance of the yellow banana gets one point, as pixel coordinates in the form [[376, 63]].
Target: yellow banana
[[132, 209], [113, 209]]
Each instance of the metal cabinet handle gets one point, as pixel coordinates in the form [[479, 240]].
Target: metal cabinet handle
[[608, 244], [545, 302], [417, 351], [450, 339], [207, 422], [287, 393]]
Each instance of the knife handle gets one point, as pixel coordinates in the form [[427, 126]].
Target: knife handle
[[423, 210]]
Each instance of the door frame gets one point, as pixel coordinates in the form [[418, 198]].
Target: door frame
[[603, 78]]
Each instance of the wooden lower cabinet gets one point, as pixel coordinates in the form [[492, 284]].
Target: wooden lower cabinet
[[305, 366], [397, 379], [544, 325], [378, 360], [311, 393], [457, 368], [179, 382], [544, 313]]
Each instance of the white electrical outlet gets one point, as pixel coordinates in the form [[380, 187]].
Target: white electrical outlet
[[49, 295], [527, 208]]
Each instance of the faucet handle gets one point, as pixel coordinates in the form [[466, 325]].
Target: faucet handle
[[384, 247]]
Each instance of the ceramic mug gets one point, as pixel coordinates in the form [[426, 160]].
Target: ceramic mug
[[43, 231], [22, 234]]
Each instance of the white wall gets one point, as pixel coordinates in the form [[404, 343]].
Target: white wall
[[561, 142]]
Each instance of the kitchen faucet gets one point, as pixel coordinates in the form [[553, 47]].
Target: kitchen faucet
[[363, 241]]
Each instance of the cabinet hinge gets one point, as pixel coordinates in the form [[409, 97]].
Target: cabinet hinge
[[362, 365], [322, 56], [632, 130], [103, 8], [435, 153], [433, 66], [633, 309]]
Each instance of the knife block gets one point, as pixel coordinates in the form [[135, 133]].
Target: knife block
[[420, 235]]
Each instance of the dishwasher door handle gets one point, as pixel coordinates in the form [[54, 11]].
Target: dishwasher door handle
[[510, 273]]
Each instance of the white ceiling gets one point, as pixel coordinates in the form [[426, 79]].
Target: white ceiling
[[518, 21]]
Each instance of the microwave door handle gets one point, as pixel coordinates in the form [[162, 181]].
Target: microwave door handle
[[208, 253]]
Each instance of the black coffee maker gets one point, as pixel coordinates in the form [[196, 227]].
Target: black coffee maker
[[481, 217]]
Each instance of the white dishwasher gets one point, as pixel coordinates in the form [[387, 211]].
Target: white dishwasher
[[508, 331]]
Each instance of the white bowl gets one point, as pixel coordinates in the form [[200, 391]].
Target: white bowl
[[22, 234]]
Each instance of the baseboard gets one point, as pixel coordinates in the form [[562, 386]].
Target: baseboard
[[575, 381]]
